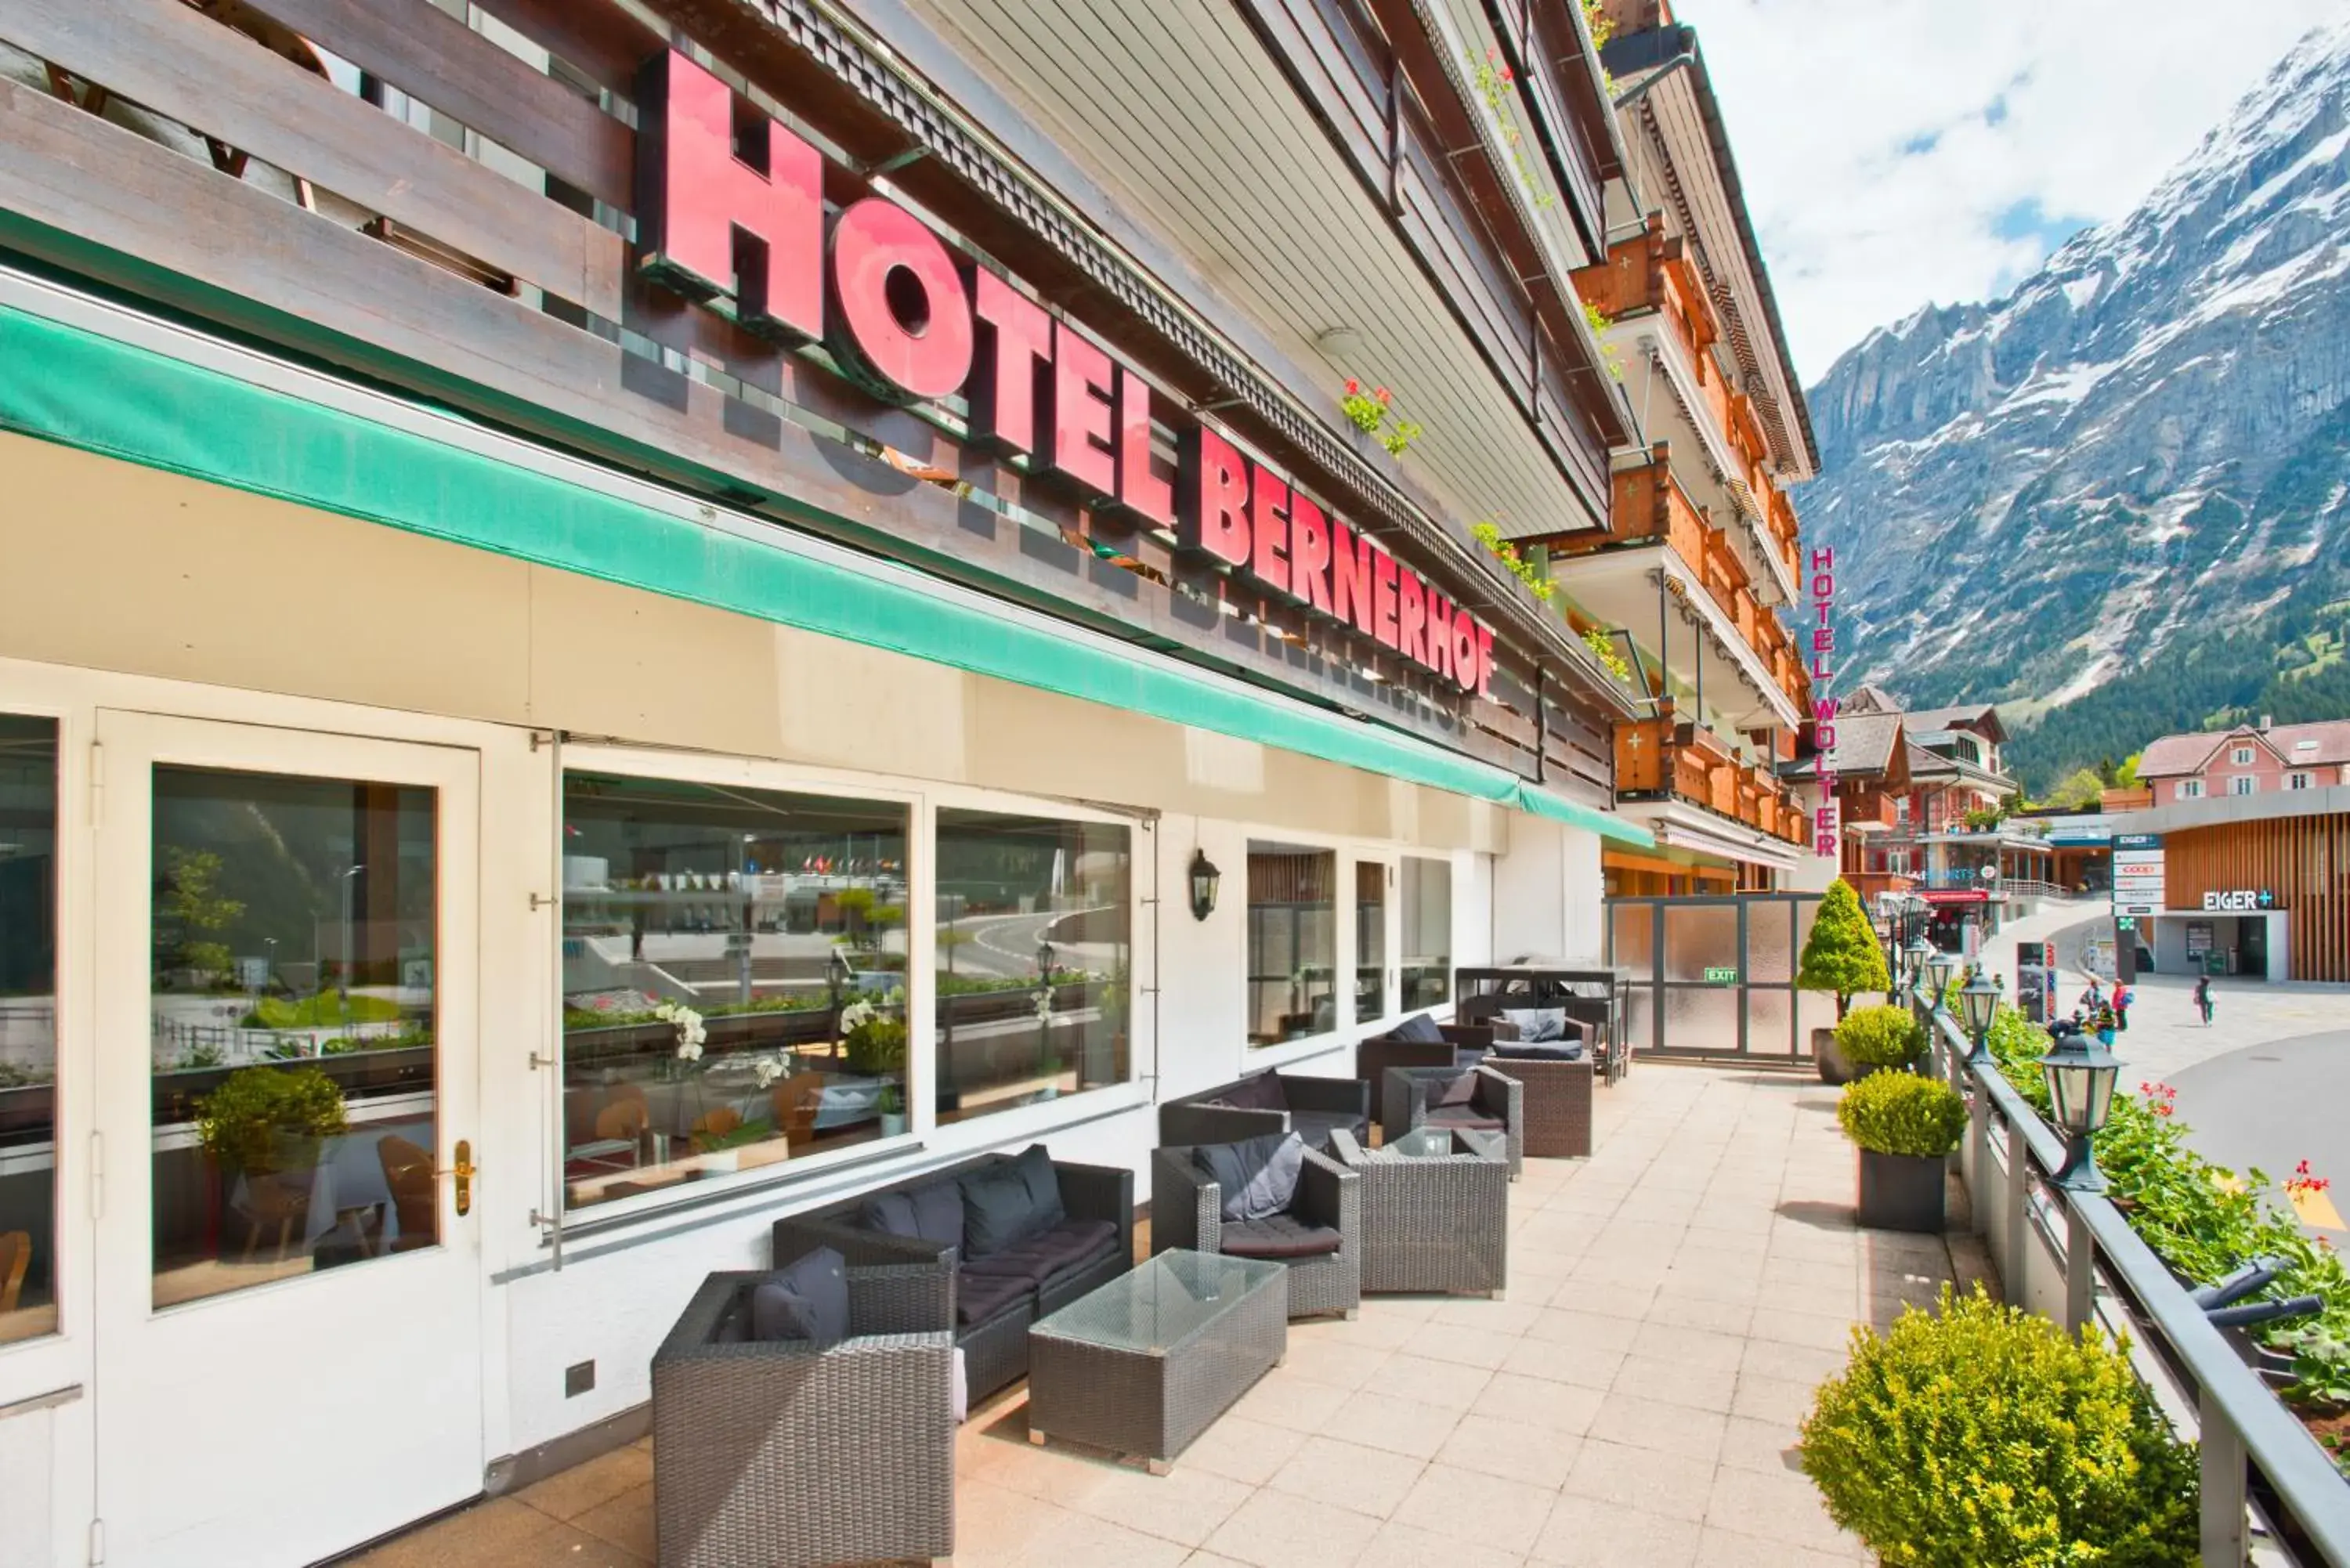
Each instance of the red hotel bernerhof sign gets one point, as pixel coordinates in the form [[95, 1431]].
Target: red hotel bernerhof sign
[[913, 323]]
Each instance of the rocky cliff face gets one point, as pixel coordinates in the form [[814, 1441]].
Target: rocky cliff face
[[2144, 450]]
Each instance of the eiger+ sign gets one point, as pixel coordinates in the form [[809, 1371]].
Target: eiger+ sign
[[2239, 900], [913, 323]]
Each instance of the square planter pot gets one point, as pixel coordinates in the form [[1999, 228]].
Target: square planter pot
[[1902, 1192]]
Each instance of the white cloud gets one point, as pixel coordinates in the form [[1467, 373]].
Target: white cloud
[[1901, 153]]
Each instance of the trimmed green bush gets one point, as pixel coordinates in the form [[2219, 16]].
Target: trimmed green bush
[[1841, 955], [1880, 1037], [1977, 1434], [1900, 1112], [249, 1123]]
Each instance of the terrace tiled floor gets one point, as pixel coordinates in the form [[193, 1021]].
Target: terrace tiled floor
[[1633, 1401]]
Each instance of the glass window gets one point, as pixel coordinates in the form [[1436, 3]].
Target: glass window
[[2298, 781], [2242, 756], [1370, 939], [1292, 936], [28, 1026], [2243, 786], [733, 980], [1035, 967], [1427, 933], [293, 937], [2189, 789]]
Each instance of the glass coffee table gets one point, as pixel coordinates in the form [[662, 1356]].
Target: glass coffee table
[[1435, 1209], [1147, 1362]]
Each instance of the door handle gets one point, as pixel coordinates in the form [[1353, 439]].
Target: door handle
[[463, 1171]]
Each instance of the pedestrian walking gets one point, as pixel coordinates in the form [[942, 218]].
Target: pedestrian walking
[[2094, 997], [2203, 998], [2105, 1025], [2124, 999]]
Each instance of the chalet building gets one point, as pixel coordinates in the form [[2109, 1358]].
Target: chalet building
[[1916, 790], [2249, 760], [1700, 558], [627, 616]]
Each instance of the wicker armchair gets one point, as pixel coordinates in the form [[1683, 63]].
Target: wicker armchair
[[1557, 1103], [776, 1452], [1462, 1045], [1432, 1222], [1186, 1211], [1499, 1098]]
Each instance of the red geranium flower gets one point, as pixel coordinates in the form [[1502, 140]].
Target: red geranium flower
[[1354, 388], [1382, 395]]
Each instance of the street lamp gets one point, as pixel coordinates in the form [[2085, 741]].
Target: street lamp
[[346, 879], [2080, 1074], [1978, 1004], [1938, 965], [1914, 970]]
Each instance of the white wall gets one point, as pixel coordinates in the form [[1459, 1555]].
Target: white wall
[[1548, 893]]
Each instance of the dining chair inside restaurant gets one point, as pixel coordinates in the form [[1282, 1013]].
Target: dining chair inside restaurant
[[408, 1172], [15, 1256], [797, 1100], [718, 1122], [622, 1119]]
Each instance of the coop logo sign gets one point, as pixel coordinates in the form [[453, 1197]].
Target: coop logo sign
[[2239, 900], [911, 322], [1827, 826]]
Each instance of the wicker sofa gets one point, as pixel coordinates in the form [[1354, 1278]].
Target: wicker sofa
[[1409, 1044], [1497, 1103], [1261, 1103], [1186, 1211], [781, 1452], [997, 1299]]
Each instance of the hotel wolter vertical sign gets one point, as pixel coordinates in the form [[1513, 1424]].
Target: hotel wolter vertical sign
[[913, 323]]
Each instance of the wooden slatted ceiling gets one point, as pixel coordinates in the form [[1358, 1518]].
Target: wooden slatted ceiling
[[1179, 111]]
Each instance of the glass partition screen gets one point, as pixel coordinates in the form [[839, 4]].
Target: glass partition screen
[[733, 980], [1427, 933], [1033, 976], [28, 1026], [1293, 953]]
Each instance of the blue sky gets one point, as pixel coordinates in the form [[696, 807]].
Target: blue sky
[[1904, 152]]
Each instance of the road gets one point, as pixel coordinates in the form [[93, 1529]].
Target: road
[[2266, 1085]]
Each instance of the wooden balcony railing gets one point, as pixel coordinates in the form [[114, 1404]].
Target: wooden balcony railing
[[1875, 807], [1664, 757], [1651, 508]]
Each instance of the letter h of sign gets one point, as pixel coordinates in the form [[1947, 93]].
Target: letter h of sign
[[716, 222]]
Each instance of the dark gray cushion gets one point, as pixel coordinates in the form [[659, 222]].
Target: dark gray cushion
[[1461, 1089], [979, 1297], [930, 1213], [1465, 1117], [1039, 1257], [997, 1211], [808, 1299], [1261, 1093], [1539, 1053], [1420, 1029], [1537, 1025], [1315, 1127], [1280, 1236], [1258, 1175], [1044, 1183]]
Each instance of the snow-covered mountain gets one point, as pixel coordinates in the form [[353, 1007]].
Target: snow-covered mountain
[[2141, 453]]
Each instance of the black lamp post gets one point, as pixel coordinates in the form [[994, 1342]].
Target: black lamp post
[[1914, 969], [1204, 878], [1978, 1004], [2081, 1075], [1938, 965]]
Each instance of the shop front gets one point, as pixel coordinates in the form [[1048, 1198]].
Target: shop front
[[492, 816]]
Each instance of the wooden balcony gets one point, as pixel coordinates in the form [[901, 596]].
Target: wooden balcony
[[1876, 808], [1870, 884], [1660, 757]]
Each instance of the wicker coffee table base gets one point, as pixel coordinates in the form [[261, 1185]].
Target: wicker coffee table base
[[1154, 1403]]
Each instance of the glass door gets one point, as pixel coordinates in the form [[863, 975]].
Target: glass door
[[1375, 938], [288, 1354]]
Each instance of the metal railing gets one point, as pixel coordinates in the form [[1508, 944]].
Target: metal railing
[[2072, 1256]]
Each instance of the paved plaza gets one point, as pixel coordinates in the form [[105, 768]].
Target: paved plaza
[[1633, 1401]]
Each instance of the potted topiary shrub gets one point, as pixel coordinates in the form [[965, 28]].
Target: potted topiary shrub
[[1871, 1039], [1841, 957], [263, 1130], [1906, 1127], [1979, 1433]]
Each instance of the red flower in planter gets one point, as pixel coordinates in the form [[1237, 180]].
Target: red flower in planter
[[1354, 388], [1383, 395], [2303, 1183]]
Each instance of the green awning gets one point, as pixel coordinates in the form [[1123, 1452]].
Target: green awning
[[1541, 802], [85, 389]]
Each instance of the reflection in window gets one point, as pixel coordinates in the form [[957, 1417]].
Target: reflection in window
[[1033, 976], [1291, 942], [1371, 941], [1427, 933], [733, 980], [293, 939], [28, 1026]]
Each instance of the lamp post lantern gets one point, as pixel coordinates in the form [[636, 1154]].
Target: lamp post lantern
[[1978, 1006], [2080, 1073], [1938, 965], [1914, 966], [1204, 878]]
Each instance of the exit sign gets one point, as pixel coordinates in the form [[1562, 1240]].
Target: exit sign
[[1722, 976]]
